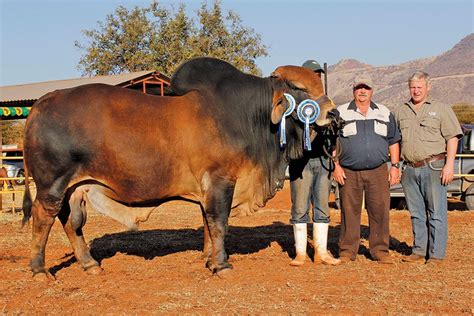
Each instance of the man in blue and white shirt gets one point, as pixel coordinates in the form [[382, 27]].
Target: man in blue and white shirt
[[370, 133]]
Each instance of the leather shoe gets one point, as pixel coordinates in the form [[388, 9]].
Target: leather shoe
[[414, 258], [385, 260], [345, 259], [434, 261]]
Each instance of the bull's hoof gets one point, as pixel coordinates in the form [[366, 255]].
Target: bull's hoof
[[224, 273], [224, 266], [206, 256], [94, 270], [210, 265], [43, 276], [215, 268]]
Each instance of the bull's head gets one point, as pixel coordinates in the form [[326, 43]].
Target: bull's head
[[309, 82], [314, 109]]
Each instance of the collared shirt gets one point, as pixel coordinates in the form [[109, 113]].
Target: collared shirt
[[365, 139], [426, 131]]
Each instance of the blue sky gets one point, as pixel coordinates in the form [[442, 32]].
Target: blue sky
[[37, 36]]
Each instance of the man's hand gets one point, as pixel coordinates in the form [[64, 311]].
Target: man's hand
[[394, 176], [447, 174], [339, 174]]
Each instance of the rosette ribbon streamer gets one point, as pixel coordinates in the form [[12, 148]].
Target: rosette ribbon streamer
[[289, 110], [308, 111]]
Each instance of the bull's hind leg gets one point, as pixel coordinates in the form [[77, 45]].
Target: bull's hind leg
[[47, 205], [43, 219], [217, 209], [73, 218]]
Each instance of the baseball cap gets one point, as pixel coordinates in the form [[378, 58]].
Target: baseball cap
[[362, 80], [313, 65]]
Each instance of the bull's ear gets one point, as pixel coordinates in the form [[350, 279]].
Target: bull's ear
[[279, 104], [275, 74]]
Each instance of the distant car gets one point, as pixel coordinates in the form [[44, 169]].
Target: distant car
[[15, 167]]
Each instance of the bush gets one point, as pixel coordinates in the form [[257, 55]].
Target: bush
[[464, 112], [12, 132]]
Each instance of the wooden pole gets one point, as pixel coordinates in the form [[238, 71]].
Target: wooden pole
[[1, 153], [326, 78]]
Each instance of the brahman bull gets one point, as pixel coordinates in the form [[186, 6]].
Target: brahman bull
[[215, 142]]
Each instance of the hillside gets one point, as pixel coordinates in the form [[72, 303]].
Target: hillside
[[452, 73]]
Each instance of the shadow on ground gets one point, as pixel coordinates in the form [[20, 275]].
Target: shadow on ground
[[149, 244]]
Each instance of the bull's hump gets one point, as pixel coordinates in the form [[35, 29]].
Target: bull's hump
[[202, 74]]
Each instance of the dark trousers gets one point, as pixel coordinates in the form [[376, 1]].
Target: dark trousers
[[375, 184]]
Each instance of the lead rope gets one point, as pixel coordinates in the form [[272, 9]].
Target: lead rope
[[329, 134]]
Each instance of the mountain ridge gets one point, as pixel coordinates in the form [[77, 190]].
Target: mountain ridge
[[451, 72]]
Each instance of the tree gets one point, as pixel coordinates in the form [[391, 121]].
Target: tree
[[157, 38], [235, 43], [12, 132]]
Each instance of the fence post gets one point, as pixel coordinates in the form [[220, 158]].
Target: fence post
[[1, 154]]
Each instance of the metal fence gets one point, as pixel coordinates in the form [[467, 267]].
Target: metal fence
[[16, 191]]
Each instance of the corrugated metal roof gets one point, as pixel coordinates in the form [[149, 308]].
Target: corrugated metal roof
[[34, 91]]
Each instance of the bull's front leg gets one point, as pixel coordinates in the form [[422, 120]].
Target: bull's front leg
[[217, 205], [207, 244]]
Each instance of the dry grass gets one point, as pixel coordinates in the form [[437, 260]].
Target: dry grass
[[159, 270]]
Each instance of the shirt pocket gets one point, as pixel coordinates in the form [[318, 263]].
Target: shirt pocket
[[404, 129], [380, 128], [430, 129], [349, 129]]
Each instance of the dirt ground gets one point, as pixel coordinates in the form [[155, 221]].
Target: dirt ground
[[159, 269]]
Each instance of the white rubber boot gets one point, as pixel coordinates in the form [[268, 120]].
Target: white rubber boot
[[320, 238], [301, 238]]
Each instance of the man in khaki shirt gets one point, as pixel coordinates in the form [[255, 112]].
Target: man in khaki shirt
[[430, 133]]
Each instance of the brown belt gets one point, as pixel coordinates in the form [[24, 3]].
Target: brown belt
[[421, 163]]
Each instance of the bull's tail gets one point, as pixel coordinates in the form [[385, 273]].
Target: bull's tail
[[27, 204]]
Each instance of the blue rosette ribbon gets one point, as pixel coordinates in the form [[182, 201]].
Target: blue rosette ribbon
[[308, 112]]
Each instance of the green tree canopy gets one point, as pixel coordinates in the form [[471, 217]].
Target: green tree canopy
[[158, 38]]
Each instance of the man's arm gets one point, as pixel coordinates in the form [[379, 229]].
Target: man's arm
[[394, 174], [338, 173], [447, 174], [394, 150]]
